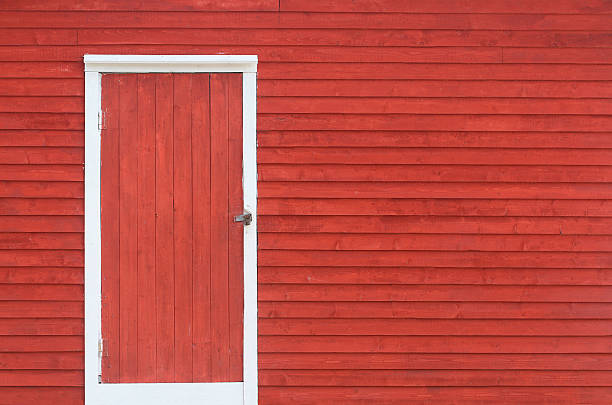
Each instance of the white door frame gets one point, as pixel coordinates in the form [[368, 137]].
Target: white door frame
[[230, 393]]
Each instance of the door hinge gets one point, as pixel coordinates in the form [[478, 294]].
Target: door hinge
[[100, 351], [101, 119], [246, 218]]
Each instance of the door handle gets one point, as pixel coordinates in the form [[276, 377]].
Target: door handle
[[246, 218]]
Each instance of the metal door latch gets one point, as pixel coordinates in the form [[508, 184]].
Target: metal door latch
[[246, 218]]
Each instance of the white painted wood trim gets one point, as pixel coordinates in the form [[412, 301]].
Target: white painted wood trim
[[170, 63], [230, 393], [249, 186], [244, 393]]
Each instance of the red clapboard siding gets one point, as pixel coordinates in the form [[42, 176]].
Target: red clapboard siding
[[435, 155], [434, 88], [446, 207], [41, 70], [17, 36], [41, 275], [432, 361], [158, 5], [433, 173], [42, 361], [357, 241], [438, 6], [434, 344], [345, 37], [386, 292], [500, 225], [380, 105], [40, 309], [429, 275], [437, 378], [436, 139], [397, 395], [433, 71], [202, 19], [434, 196], [343, 311], [27, 137]]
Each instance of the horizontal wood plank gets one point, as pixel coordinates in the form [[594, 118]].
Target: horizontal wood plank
[[40, 309], [41, 223], [437, 224], [433, 327], [26, 258], [445, 6], [433, 361], [433, 122], [323, 87], [345, 37], [41, 104], [341, 20], [436, 139], [34, 120], [434, 378], [20, 36], [41, 275], [41, 327], [408, 242], [392, 311], [41, 378], [430, 275], [430, 173], [398, 395], [41, 172], [41, 189], [42, 395], [30, 240], [427, 293], [42, 361], [445, 207], [42, 155], [28, 137], [434, 344], [440, 155], [41, 292], [439, 258], [420, 105], [385, 189], [159, 5], [28, 344], [434, 71], [36, 206]]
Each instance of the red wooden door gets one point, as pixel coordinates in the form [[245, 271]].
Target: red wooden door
[[172, 256]]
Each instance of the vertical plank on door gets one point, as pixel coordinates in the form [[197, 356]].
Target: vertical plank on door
[[235, 207], [128, 223], [219, 229], [164, 229], [183, 368], [201, 227], [109, 178], [146, 228]]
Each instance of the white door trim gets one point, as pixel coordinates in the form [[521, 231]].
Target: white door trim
[[245, 392]]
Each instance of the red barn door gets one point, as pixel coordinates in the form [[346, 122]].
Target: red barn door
[[172, 255]]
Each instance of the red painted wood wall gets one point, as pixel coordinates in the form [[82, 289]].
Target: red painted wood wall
[[435, 197]]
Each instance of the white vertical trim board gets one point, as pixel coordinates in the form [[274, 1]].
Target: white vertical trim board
[[230, 393]]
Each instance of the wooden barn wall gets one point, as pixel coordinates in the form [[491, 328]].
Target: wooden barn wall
[[435, 196]]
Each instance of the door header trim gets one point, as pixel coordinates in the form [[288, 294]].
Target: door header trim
[[170, 63]]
